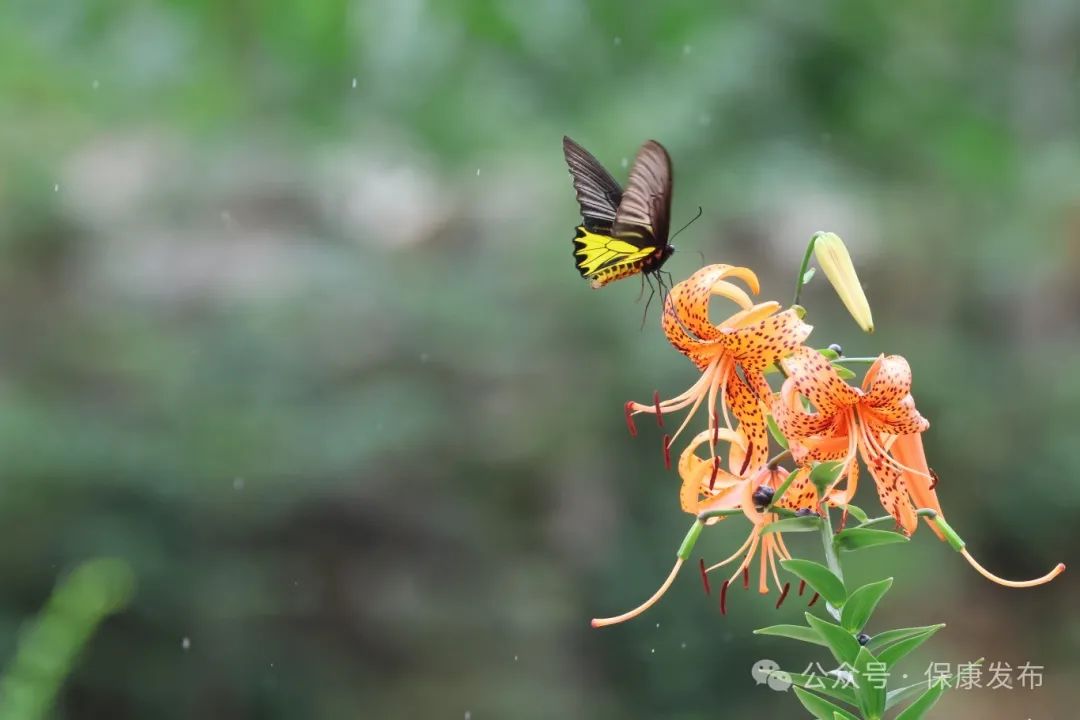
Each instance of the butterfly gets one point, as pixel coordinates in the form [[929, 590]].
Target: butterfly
[[621, 233]]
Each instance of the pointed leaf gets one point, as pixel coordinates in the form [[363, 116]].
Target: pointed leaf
[[774, 429], [888, 637], [808, 523], [892, 654], [844, 646], [871, 681], [900, 695], [919, 708], [808, 275], [856, 512], [858, 538], [795, 632], [825, 474], [843, 372], [820, 578], [821, 708], [830, 687], [861, 603]]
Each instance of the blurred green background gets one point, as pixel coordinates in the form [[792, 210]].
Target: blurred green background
[[289, 323]]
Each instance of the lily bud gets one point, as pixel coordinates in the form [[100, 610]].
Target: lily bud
[[833, 258]]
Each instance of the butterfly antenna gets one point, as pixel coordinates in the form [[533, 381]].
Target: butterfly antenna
[[692, 220]]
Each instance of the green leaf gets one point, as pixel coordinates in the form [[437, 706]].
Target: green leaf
[[899, 695], [820, 578], [859, 537], [843, 372], [821, 708], [809, 523], [795, 632], [893, 654], [888, 637], [824, 475], [808, 275], [827, 686], [919, 708], [871, 522], [871, 678], [857, 512], [861, 603], [844, 646], [774, 429], [828, 353]]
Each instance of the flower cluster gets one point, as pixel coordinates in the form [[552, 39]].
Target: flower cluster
[[822, 425]]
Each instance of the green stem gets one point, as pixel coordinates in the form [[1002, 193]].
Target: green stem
[[831, 558], [802, 269]]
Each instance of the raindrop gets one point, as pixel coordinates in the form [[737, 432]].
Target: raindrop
[[653, 651], [657, 626], [95, 85], [687, 49], [186, 643], [424, 357], [515, 658], [238, 484], [624, 162], [683, 645], [56, 187], [354, 83], [468, 715], [617, 41], [705, 119]]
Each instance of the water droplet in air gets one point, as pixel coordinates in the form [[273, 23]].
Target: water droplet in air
[[468, 715], [624, 162], [657, 626], [56, 187], [424, 357], [477, 172], [95, 85], [515, 658], [683, 645], [617, 41], [186, 643], [687, 49], [354, 83], [653, 651], [238, 484], [705, 119]]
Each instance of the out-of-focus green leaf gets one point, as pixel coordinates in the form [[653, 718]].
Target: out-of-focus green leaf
[[819, 577]]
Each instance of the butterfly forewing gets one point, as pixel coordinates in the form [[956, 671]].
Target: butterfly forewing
[[597, 192], [644, 214]]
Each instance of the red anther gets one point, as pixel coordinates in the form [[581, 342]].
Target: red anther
[[715, 471], [723, 597], [667, 451], [705, 578], [783, 594], [802, 587], [843, 520], [746, 460], [659, 413], [812, 600], [933, 478], [716, 426], [746, 578], [629, 410]]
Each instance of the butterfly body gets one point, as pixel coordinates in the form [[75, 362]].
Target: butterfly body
[[622, 233]]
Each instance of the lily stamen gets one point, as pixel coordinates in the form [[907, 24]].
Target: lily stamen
[[630, 615]]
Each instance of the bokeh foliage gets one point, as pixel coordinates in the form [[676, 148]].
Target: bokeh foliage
[[289, 324]]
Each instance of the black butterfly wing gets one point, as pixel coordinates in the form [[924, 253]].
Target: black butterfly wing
[[644, 215], [597, 192]]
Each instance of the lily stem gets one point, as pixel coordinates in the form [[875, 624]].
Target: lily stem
[[860, 360], [831, 558], [802, 269]]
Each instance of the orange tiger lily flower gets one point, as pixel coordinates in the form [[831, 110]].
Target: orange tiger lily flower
[[878, 422], [749, 341], [705, 489], [849, 422], [702, 492]]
